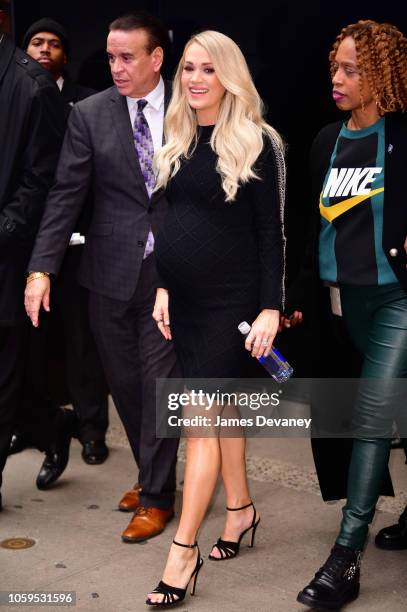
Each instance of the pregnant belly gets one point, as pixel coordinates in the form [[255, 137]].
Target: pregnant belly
[[205, 255], [208, 266]]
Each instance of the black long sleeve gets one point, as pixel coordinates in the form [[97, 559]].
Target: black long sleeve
[[34, 169], [269, 212]]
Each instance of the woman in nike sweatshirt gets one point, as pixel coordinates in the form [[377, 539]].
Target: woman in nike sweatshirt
[[359, 173]]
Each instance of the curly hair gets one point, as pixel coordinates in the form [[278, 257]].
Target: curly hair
[[381, 51]]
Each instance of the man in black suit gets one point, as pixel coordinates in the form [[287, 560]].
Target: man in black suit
[[47, 42], [108, 147], [31, 129]]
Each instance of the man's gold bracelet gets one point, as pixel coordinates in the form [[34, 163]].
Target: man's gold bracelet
[[35, 275]]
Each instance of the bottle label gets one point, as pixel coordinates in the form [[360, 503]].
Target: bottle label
[[279, 355], [269, 363]]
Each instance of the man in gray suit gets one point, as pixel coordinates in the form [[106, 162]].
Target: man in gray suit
[[108, 147]]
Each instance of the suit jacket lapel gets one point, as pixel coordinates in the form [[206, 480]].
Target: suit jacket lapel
[[69, 92], [121, 121]]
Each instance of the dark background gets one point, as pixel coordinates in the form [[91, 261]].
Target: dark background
[[286, 44]]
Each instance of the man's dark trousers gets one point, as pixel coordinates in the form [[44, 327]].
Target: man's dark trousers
[[84, 376], [12, 359], [134, 354]]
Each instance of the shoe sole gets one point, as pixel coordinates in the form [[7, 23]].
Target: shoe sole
[[94, 462], [127, 509], [128, 540], [315, 603], [402, 546], [162, 606], [138, 540], [19, 450]]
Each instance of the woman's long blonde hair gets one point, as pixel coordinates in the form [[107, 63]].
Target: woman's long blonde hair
[[237, 138]]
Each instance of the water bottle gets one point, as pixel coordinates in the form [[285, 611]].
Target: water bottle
[[274, 364]]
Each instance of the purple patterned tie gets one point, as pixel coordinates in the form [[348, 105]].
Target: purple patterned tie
[[144, 146]]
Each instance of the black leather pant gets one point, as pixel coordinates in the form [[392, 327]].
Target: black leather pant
[[376, 317]]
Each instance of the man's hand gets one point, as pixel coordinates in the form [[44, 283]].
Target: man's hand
[[287, 321], [37, 292]]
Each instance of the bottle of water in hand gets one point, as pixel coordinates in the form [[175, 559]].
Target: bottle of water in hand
[[274, 364]]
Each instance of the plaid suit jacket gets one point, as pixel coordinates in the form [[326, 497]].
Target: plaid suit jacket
[[98, 153]]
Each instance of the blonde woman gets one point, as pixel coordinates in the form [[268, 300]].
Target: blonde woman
[[221, 260]]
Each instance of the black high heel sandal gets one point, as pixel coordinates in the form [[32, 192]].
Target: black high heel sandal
[[174, 595], [229, 550]]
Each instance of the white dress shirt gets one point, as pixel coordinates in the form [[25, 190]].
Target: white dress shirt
[[154, 114]]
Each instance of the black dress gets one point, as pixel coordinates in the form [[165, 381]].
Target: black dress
[[222, 262]]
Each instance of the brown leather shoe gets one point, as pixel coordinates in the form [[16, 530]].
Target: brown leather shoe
[[130, 500], [147, 523]]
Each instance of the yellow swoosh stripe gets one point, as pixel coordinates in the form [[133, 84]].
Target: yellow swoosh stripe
[[332, 212]]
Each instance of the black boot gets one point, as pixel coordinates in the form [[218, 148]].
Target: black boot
[[395, 536], [336, 583], [57, 453]]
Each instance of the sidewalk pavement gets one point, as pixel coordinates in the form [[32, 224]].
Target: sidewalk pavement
[[77, 529]]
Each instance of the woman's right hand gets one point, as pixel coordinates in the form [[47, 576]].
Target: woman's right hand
[[160, 313]]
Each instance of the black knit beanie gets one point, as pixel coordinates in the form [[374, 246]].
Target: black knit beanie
[[46, 25]]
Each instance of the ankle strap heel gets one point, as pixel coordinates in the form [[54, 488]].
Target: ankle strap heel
[[185, 545], [228, 549], [172, 596], [241, 507]]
